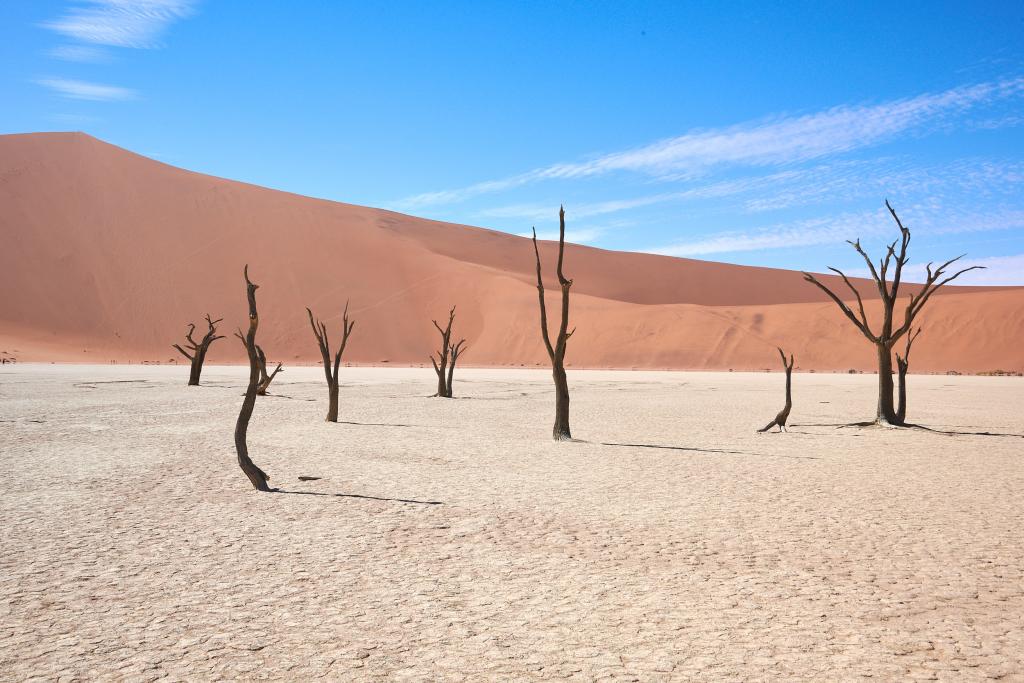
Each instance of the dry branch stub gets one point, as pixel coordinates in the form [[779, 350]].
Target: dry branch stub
[[783, 415]]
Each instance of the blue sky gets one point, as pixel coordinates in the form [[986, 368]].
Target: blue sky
[[750, 132]]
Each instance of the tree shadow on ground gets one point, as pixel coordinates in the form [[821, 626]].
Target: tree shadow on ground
[[691, 449], [292, 398], [870, 425], [375, 424], [667, 448], [360, 496]]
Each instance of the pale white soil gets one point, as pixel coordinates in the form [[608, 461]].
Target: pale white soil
[[453, 540]]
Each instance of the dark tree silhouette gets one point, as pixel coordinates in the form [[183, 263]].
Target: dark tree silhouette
[[447, 356], [902, 365], [556, 352], [455, 351], [199, 349], [889, 334], [265, 379], [257, 476], [780, 419], [320, 332], [441, 362]]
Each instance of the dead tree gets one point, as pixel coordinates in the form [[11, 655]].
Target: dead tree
[[257, 476], [320, 332], [265, 379], [441, 362], [199, 349], [780, 419], [455, 350], [902, 365], [556, 352], [889, 334]]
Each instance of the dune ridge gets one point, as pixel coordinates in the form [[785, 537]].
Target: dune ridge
[[108, 255]]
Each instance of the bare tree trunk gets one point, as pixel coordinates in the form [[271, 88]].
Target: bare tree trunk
[[889, 294], [441, 363], [901, 390], [332, 401], [320, 332], [257, 477], [560, 431], [902, 365], [198, 349], [886, 413], [556, 352], [783, 415], [456, 351]]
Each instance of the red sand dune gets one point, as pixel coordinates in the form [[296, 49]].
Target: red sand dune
[[107, 255]]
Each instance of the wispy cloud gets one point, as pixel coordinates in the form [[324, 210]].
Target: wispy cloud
[[999, 271], [82, 90], [578, 236], [782, 140], [799, 234], [836, 181], [80, 53], [837, 229], [121, 23]]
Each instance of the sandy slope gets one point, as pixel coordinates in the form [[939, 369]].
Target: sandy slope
[[134, 547], [108, 254]]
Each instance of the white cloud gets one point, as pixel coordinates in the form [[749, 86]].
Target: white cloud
[[837, 181], [999, 270], [121, 23], [800, 234], [935, 220], [80, 53], [82, 90], [580, 236], [783, 140]]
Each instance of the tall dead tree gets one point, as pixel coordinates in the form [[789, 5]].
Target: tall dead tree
[[889, 334], [441, 362], [199, 349], [455, 351], [780, 419], [902, 365], [556, 352], [257, 476], [265, 379], [320, 332]]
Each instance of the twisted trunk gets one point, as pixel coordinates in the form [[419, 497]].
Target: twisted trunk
[[783, 415], [256, 476]]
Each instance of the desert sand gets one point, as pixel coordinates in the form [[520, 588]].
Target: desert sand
[[453, 540], [107, 255]]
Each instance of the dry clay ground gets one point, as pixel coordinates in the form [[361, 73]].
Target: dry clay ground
[[453, 540]]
